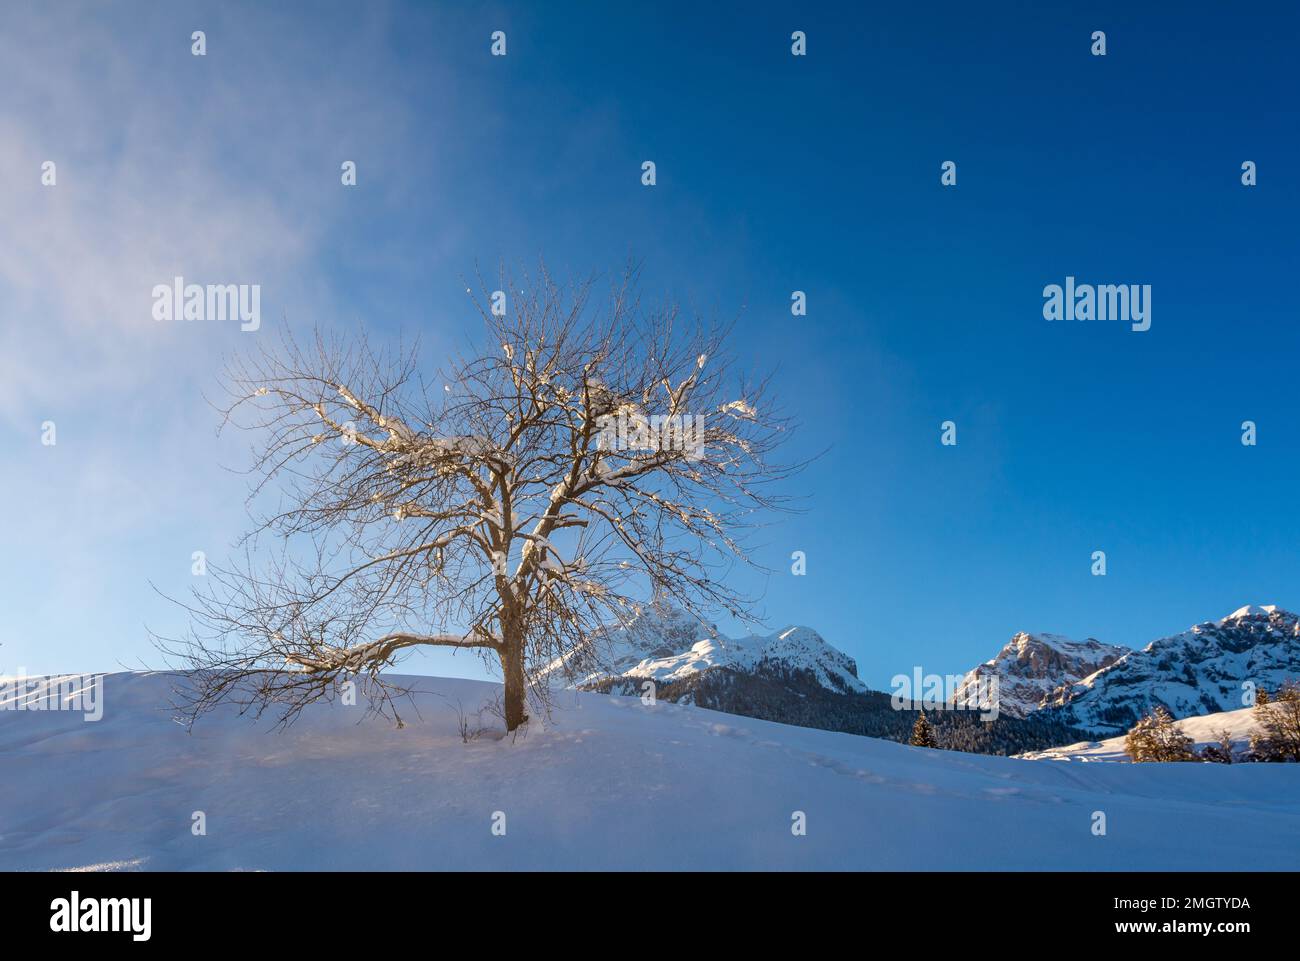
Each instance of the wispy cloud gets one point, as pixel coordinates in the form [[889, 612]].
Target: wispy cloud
[[218, 169]]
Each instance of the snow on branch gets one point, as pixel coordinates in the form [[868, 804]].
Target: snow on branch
[[498, 502]]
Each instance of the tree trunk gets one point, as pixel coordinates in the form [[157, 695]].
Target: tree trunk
[[512, 668]]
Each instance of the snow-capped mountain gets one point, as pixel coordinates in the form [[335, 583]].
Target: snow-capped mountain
[[792, 676], [667, 645], [1203, 670], [1049, 686], [1032, 668]]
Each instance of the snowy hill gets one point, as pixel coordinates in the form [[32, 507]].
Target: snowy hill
[[607, 783], [1203, 730], [1032, 668], [1200, 671]]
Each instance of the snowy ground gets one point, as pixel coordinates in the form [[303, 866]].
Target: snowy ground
[[1239, 724], [608, 784]]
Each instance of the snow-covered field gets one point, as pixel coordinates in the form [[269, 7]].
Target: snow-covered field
[[609, 783], [1203, 730]]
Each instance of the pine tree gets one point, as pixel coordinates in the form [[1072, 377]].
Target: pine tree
[[922, 733]]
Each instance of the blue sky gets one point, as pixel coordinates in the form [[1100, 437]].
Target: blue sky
[[775, 173]]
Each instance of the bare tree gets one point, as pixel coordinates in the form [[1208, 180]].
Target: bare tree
[[1277, 737], [1221, 749], [582, 461], [1156, 737]]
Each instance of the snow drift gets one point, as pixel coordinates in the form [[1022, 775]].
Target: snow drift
[[607, 783]]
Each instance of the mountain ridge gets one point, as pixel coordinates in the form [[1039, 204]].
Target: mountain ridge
[[1208, 668], [790, 676], [1032, 667], [1050, 685], [665, 644]]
